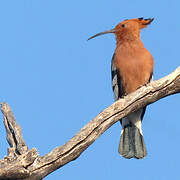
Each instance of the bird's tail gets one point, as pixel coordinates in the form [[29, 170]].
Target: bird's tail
[[132, 142]]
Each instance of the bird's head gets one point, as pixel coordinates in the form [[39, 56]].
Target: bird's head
[[127, 29]]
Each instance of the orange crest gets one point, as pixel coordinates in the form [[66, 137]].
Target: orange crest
[[142, 22]]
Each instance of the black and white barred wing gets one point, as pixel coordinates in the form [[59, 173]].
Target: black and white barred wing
[[117, 84]]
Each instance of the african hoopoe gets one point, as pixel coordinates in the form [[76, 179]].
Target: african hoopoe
[[132, 67]]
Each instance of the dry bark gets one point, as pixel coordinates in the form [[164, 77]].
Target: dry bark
[[25, 164]]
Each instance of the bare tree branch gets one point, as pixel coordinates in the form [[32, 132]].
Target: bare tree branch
[[13, 131], [42, 166], [14, 165]]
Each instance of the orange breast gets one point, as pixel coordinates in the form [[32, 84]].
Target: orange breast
[[135, 66]]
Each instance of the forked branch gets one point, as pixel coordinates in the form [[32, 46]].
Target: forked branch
[[36, 167]]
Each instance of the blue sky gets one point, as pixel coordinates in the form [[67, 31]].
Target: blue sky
[[56, 82]]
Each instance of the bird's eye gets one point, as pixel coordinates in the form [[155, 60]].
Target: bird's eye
[[123, 25]]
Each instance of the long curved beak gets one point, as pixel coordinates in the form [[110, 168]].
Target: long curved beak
[[101, 33]]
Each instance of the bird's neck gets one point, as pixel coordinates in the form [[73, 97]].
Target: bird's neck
[[129, 43], [128, 37]]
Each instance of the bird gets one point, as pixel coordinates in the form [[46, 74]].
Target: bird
[[131, 68]]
